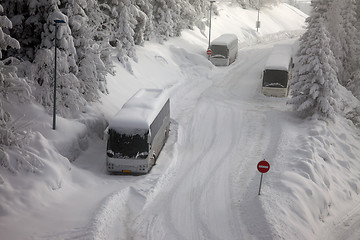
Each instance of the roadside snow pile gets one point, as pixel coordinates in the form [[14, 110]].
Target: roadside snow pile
[[43, 165], [315, 175]]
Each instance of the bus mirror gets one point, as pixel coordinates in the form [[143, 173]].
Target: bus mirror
[[110, 153], [106, 134]]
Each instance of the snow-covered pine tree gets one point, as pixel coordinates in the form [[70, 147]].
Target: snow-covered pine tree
[[314, 86], [357, 3], [351, 61], [200, 7], [92, 70], [127, 14], [172, 16], [355, 83], [201, 10], [6, 41], [176, 18], [28, 17], [334, 24], [124, 15], [69, 99], [349, 39], [14, 89], [163, 21], [187, 14], [144, 28], [101, 27]]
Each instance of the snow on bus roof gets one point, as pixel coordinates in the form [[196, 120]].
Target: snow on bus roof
[[139, 111], [224, 39], [280, 57]]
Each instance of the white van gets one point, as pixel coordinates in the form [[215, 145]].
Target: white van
[[278, 71], [224, 50]]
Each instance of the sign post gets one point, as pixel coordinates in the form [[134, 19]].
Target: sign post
[[57, 21], [211, 3], [263, 167], [258, 18]]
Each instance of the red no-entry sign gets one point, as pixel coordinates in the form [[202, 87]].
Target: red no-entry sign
[[263, 166], [209, 52]]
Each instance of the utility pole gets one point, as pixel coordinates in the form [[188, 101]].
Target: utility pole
[[54, 109], [258, 18], [211, 3]]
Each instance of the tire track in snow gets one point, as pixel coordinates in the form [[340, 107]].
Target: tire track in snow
[[213, 188], [197, 214], [346, 226]]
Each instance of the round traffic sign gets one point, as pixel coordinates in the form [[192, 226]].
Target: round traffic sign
[[209, 52], [263, 166]]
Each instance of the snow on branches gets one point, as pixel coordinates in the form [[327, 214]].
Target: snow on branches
[[314, 85]]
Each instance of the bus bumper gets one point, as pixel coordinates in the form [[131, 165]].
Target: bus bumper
[[219, 61], [127, 166], [275, 92]]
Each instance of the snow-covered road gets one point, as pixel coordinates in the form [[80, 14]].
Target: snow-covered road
[[205, 183], [223, 133]]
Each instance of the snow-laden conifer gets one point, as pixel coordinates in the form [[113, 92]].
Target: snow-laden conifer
[[163, 19], [144, 28], [92, 70], [350, 77], [12, 91], [126, 19], [70, 101], [349, 45], [334, 24], [314, 85], [10, 83]]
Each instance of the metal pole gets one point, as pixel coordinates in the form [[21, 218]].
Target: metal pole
[[54, 110], [258, 17], [260, 182], [211, 2], [210, 25]]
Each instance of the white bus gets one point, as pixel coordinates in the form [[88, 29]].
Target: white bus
[[224, 50], [137, 133], [278, 71]]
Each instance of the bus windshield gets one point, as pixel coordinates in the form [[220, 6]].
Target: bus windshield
[[275, 78], [127, 146], [219, 50]]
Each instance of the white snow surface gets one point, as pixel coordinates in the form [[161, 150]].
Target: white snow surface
[[280, 57], [224, 39], [205, 183], [139, 111]]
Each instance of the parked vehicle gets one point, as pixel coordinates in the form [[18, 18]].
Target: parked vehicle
[[224, 50], [278, 71], [137, 133]]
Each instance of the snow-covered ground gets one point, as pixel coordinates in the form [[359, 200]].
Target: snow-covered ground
[[205, 184]]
